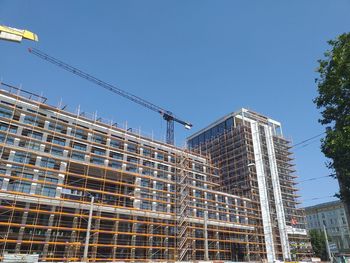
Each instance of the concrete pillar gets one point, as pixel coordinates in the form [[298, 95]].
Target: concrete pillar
[[115, 240], [217, 246], [95, 235], [38, 161], [150, 242], [16, 142], [21, 230], [63, 166], [46, 124], [48, 232], [11, 155], [133, 239], [5, 182]]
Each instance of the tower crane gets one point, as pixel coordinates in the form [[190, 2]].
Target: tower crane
[[15, 34], [167, 115]]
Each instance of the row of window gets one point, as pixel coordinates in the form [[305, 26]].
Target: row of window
[[80, 134], [25, 187], [211, 133]]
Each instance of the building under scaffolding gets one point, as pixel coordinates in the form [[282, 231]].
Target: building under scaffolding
[[255, 161], [73, 187]]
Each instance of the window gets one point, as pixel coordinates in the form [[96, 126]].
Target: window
[[30, 145], [116, 155], [78, 156], [198, 167], [224, 217], [21, 157], [200, 213], [33, 121], [162, 167], [208, 135], [160, 156], [131, 168], [5, 112], [162, 175], [79, 146], [115, 164], [132, 148], [159, 186], [161, 207], [98, 151], [148, 163], [45, 190], [98, 138], [79, 133], [201, 138], [56, 140], [211, 215], [28, 176], [49, 163], [48, 179], [7, 139], [198, 194], [56, 151], [148, 152], [9, 128], [144, 182], [132, 159], [57, 127], [97, 160], [117, 144], [215, 131], [147, 171], [145, 205], [16, 186], [194, 142], [32, 134], [229, 123]]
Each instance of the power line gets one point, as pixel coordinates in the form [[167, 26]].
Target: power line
[[309, 139], [316, 178], [307, 144]]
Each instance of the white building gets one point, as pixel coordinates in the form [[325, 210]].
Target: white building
[[331, 215]]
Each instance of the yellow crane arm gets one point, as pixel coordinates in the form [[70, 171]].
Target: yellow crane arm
[[16, 35]]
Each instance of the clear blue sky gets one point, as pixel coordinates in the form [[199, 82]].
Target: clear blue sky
[[200, 59]]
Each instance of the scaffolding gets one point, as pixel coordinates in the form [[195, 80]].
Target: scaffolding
[[255, 161], [72, 187]]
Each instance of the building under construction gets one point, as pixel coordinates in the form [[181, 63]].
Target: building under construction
[[74, 188], [255, 161]]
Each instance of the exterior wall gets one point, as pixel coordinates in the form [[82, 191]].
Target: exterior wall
[[255, 160], [331, 215], [152, 201]]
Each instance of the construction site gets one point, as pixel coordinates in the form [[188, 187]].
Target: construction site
[[77, 188], [74, 188]]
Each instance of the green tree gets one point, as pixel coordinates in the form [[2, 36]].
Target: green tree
[[334, 102], [318, 243]]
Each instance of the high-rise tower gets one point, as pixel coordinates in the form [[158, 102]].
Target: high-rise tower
[[254, 160]]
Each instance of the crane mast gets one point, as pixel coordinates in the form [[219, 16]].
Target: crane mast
[[168, 116]]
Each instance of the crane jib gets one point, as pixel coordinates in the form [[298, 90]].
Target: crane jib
[[167, 115]]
